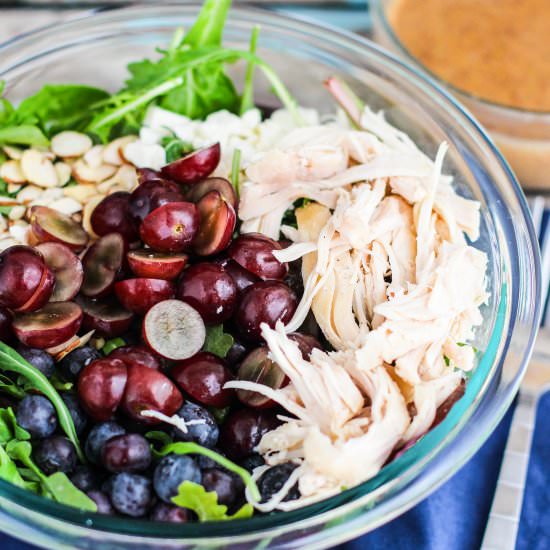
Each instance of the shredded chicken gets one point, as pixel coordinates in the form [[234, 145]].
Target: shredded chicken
[[392, 281]]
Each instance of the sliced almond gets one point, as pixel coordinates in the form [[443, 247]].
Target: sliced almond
[[13, 152], [17, 212], [63, 172], [11, 172], [3, 225], [127, 177], [81, 192], [84, 173], [70, 144], [38, 168], [87, 214], [29, 193], [8, 201], [94, 157], [66, 205], [20, 233], [113, 153]]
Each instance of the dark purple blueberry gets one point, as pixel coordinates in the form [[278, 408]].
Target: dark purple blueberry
[[74, 362], [102, 501], [37, 415], [131, 494], [171, 472], [169, 513], [236, 354], [253, 461], [84, 478], [206, 433], [126, 453], [272, 481], [80, 420], [55, 454], [227, 485], [39, 359], [98, 436]]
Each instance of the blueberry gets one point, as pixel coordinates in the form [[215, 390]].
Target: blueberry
[[39, 359], [98, 436], [131, 494], [37, 415], [204, 462], [272, 481], [74, 362], [252, 461], [84, 478], [171, 472], [126, 453], [55, 454], [227, 485], [206, 433], [102, 501], [80, 420], [169, 513]]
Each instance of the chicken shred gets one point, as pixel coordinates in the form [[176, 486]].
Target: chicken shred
[[394, 286]]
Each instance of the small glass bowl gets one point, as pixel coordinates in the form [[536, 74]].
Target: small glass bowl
[[522, 135], [95, 50]]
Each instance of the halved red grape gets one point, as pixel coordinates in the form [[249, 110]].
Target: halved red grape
[[217, 223], [243, 429], [174, 330], [171, 227], [259, 368], [67, 268], [6, 332], [195, 166], [21, 271], [48, 327], [49, 225], [136, 355], [106, 316], [156, 265], [149, 389], [242, 277], [140, 295], [264, 302], [203, 377], [306, 343], [196, 192], [101, 263], [447, 405], [147, 174], [112, 215], [254, 252], [210, 290], [150, 195], [101, 386], [42, 293]]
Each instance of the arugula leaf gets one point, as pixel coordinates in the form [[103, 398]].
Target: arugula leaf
[[10, 360], [9, 471], [205, 504], [235, 170], [56, 486], [59, 384], [217, 341], [157, 435], [111, 345], [184, 448], [9, 429], [247, 99], [175, 148], [10, 387], [58, 107], [6, 108], [24, 134], [208, 27]]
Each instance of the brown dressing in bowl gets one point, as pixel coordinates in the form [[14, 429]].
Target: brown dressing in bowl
[[498, 50]]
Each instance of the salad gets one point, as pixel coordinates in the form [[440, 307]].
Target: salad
[[210, 310]]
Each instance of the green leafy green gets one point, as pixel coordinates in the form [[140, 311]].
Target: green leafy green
[[217, 341], [9, 429], [184, 448], [247, 99], [9, 471], [111, 345], [11, 361], [235, 170], [175, 148], [162, 437], [59, 384], [10, 387], [24, 134], [205, 504], [208, 27]]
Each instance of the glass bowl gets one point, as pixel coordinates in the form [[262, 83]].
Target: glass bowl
[[522, 135], [95, 50]]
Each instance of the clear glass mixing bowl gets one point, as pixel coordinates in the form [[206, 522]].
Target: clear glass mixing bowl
[[96, 49]]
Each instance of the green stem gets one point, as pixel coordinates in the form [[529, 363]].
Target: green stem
[[235, 170], [247, 100]]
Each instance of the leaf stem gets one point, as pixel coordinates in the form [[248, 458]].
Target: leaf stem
[[247, 100]]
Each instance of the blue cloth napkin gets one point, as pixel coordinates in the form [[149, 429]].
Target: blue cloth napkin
[[454, 517]]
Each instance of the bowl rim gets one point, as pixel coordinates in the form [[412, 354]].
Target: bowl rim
[[216, 529], [379, 12]]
